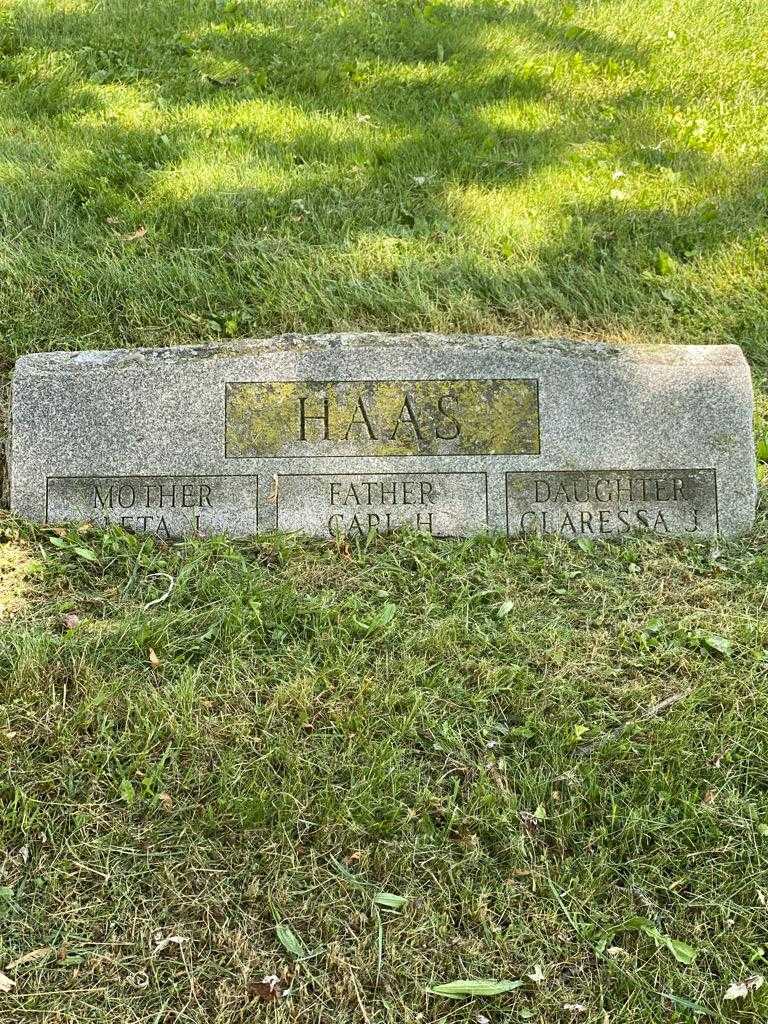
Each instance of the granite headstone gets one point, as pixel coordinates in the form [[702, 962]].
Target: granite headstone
[[339, 434]]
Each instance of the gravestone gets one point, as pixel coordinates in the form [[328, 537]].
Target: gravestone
[[338, 434]]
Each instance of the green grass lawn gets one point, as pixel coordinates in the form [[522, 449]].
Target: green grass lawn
[[218, 759]]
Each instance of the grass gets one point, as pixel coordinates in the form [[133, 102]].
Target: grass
[[216, 756], [319, 724], [171, 171]]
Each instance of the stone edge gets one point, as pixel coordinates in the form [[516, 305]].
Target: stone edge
[[666, 354]]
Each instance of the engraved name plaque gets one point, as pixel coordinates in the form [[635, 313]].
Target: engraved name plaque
[[443, 504], [348, 418]]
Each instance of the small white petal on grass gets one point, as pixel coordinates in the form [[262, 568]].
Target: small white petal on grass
[[162, 944], [618, 194], [741, 989], [269, 988], [575, 1007], [536, 975]]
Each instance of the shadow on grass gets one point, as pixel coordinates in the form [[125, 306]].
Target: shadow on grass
[[268, 128]]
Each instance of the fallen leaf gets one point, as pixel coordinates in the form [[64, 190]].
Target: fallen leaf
[[719, 644], [290, 940], [5, 983], [154, 661], [390, 900], [681, 951], [133, 235], [87, 553], [165, 802], [176, 940], [709, 797], [472, 989], [741, 989], [536, 975], [70, 621], [505, 608], [28, 958]]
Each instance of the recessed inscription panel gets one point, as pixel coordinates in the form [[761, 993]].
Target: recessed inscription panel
[[165, 506], [352, 504], [380, 418], [611, 502]]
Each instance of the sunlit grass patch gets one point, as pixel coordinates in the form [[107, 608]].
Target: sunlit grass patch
[[18, 568], [200, 124]]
